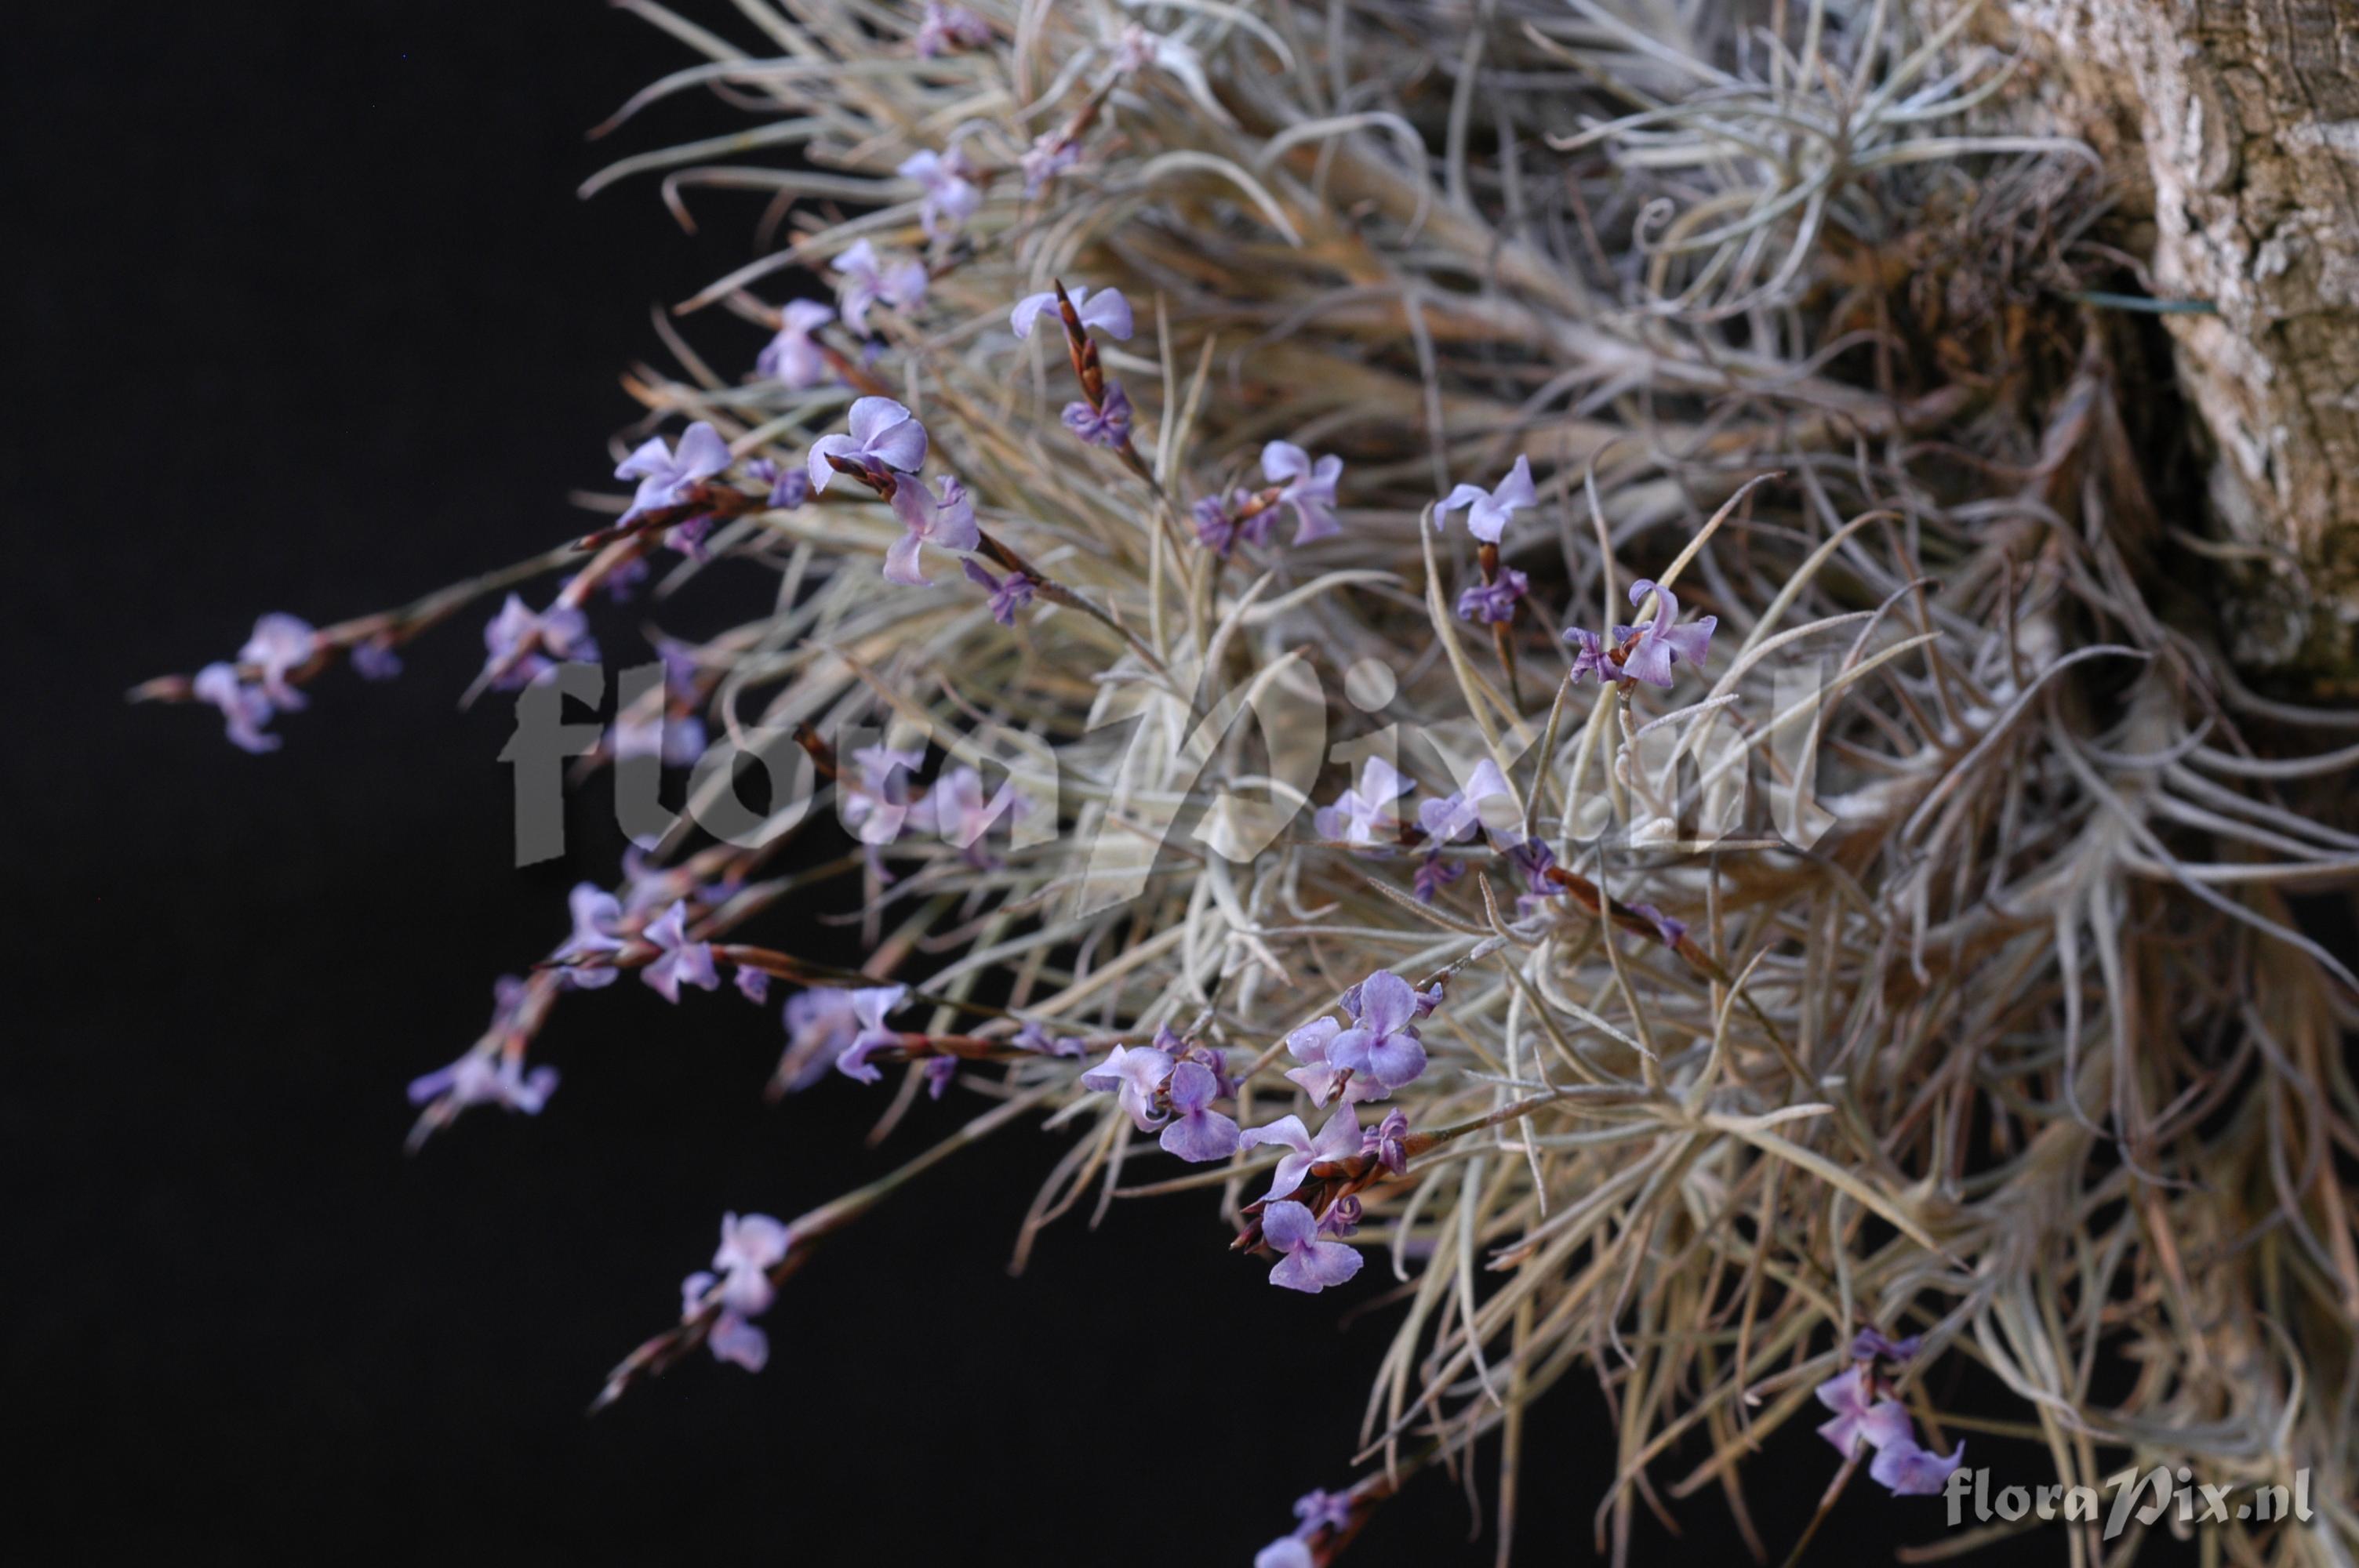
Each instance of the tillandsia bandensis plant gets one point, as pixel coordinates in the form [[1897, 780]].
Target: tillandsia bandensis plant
[[1528, 644]]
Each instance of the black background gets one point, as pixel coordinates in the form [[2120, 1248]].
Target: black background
[[303, 315]]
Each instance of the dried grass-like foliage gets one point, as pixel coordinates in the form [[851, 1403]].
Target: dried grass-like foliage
[[2026, 1053]]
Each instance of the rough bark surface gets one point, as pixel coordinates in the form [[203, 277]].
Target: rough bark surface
[[2239, 119]]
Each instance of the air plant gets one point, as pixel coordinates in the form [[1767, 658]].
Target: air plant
[[1909, 955]]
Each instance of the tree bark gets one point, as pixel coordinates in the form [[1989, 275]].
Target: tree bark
[[2236, 123]]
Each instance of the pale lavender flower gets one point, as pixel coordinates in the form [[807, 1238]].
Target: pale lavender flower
[[793, 357], [1197, 1133], [561, 632], [751, 1245], [1870, 1343], [876, 805], [961, 815], [668, 477], [867, 280], [1343, 1217], [869, 1006], [951, 195], [683, 962], [1385, 1043], [1106, 310], [1433, 873], [1285, 1552], [821, 1027], [753, 985], [1032, 1037], [1913, 1472], [1308, 487], [1318, 1076], [375, 660], [1049, 156], [1591, 656], [733, 1339], [939, 1072], [1310, 1262], [1389, 1142], [1488, 510], [946, 28], [1456, 818], [1008, 594], [247, 707], [1364, 815], [1662, 644], [1494, 603], [1859, 1415], [280, 643], [1134, 1074], [1106, 424], [1339, 1139], [1673, 931], [885, 442], [597, 918], [944, 518], [487, 1077]]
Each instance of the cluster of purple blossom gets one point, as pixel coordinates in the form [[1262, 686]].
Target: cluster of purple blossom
[[258, 686], [1866, 1413]]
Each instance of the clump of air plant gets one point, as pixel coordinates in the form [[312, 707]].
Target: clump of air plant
[[1848, 954]]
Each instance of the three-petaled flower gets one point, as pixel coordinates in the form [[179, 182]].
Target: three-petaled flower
[[1135, 1073], [868, 279], [516, 639], [751, 1246], [679, 960], [1364, 815], [1195, 1132], [245, 707], [1456, 817], [951, 195], [793, 357], [1309, 1261], [669, 476], [869, 1006], [280, 643], [1488, 510], [1106, 310], [943, 517], [597, 922], [1308, 487], [1860, 1417], [1644, 653], [1383, 1043], [1339, 1139], [885, 442]]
